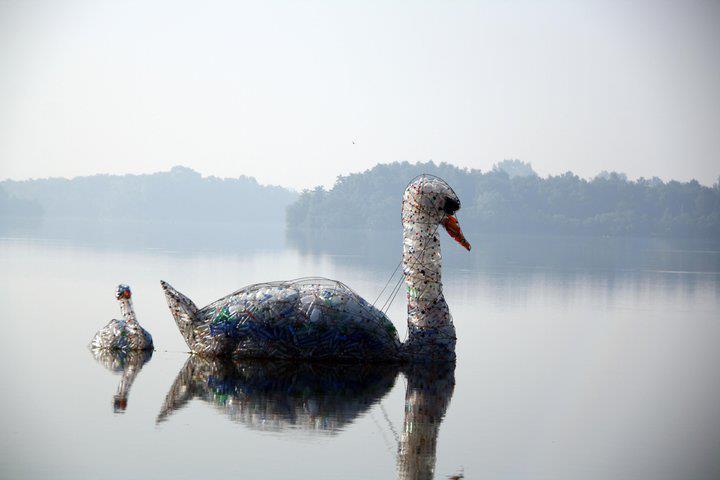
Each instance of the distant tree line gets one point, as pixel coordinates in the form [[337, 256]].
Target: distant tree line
[[12, 207], [512, 198], [180, 194]]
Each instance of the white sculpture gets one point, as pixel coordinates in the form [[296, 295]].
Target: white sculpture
[[319, 319], [125, 333]]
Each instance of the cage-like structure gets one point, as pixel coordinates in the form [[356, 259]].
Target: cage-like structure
[[312, 318], [428, 201], [123, 334], [322, 319]]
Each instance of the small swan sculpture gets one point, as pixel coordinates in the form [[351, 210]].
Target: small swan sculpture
[[126, 333], [320, 319]]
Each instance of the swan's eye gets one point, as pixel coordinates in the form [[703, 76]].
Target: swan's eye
[[451, 206]]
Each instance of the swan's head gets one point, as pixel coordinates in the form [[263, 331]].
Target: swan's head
[[123, 292], [429, 199]]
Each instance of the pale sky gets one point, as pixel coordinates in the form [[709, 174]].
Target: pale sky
[[280, 90]]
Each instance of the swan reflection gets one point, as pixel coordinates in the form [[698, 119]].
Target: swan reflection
[[279, 396], [128, 364], [428, 394]]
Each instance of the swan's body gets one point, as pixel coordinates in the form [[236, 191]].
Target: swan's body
[[125, 333], [308, 318], [322, 319]]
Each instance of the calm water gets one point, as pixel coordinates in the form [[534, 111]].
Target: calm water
[[577, 358]]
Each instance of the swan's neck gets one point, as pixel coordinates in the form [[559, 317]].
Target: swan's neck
[[431, 334], [127, 310]]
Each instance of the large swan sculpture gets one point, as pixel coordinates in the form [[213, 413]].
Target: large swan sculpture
[[320, 319]]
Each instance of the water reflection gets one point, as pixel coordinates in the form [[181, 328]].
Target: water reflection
[[610, 355], [521, 251], [128, 364], [279, 396], [428, 394], [175, 236], [381, 249]]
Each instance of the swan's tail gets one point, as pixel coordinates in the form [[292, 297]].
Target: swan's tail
[[183, 310]]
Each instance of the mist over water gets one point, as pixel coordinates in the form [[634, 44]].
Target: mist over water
[[577, 358]]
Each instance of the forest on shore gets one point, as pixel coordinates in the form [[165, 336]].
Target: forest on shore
[[512, 198], [181, 194], [509, 198]]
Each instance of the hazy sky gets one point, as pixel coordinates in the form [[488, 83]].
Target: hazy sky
[[280, 90]]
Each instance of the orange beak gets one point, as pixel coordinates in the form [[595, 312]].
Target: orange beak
[[453, 229]]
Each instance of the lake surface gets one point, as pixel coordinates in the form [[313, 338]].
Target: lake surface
[[578, 358]]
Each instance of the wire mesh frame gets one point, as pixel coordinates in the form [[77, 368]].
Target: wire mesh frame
[[286, 319], [334, 285], [396, 288]]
